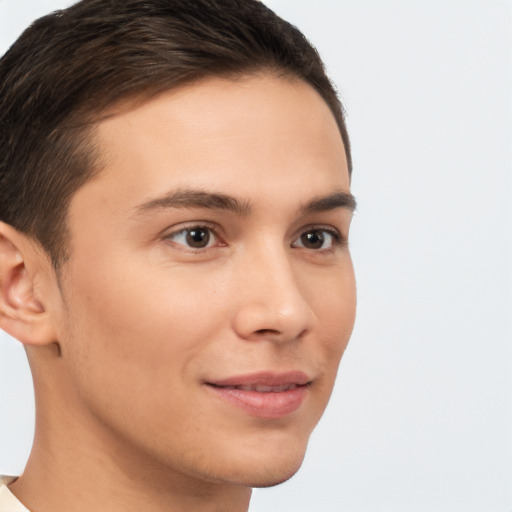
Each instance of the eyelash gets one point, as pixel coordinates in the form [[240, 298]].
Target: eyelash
[[203, 226], [338, 240]]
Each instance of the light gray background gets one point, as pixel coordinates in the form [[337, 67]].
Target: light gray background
[[421, 419]]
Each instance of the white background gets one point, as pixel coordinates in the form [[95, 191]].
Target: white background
[[421, 419]]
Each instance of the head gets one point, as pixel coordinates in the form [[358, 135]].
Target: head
[[175, 205], [97, 53]]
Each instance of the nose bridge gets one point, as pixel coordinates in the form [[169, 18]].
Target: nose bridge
[[273, 303]]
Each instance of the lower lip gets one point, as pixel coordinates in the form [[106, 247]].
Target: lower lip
[[269, 405]]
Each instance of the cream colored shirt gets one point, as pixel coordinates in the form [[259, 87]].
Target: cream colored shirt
[[8, 502]]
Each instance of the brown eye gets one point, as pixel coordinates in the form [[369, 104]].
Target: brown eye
[[313, 239], [196, 237], [317, 239]]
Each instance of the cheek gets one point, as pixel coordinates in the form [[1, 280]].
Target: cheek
[[336, 310], [142, 330], [135, 304], [135, 347], [335, 307]]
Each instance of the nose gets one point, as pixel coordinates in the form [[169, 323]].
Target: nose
[[273, 302]]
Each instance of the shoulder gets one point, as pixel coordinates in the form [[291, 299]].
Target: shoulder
[[8, 502]]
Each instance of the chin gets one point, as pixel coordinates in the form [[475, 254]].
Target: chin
[[273, 479], [267, 473]]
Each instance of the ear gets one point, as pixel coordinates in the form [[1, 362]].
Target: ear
[[24, 270]]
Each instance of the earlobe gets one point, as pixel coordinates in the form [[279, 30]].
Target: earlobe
[[22, 314]]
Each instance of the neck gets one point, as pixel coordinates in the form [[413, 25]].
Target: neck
[[77, 465]]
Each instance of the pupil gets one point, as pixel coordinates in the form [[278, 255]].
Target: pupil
[[313, 239], [198, 237]]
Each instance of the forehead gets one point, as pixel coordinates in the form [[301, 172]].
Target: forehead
[[256, 133]]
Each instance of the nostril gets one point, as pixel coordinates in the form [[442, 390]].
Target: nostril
[[264, 332]]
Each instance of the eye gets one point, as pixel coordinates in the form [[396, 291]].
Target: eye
[[194, 237], [317, 239]]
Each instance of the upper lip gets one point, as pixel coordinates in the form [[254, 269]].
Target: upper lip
[[264, 378]]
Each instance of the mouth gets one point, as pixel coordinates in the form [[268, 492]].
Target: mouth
[[261, 388], [265, 394]]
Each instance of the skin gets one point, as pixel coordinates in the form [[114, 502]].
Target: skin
[[122, 344]]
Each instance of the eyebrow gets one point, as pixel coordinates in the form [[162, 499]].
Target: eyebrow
[[196, 199], [190, 198], [338, 199]]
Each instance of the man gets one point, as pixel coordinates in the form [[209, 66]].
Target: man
[[175, 207]]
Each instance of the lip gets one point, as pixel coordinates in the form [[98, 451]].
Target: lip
[[269, 404]]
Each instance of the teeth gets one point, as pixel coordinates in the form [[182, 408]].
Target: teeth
[[263, 389]]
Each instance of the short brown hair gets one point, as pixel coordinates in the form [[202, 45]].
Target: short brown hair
[[71, 65]]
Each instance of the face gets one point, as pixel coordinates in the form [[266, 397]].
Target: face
[[210, 293]]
